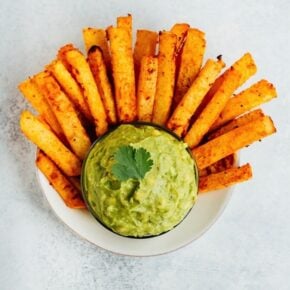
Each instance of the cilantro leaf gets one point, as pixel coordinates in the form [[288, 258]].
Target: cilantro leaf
[[131, 163], [143, 161]]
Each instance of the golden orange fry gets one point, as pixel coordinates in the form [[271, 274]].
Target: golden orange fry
[[245, 66], [123, 73], [180, 119], [70, 86], [65, 113], [165, 77], [225, 178], [97, 37], [147, 88], [180, 29], [61, 55], [48, 142], [257, 94], [146, 41], [191, 59], [31, 93], [230, 142], [98, 68], [211, 112], [83, 74], [125, 22], [221, 165], [242, 120], [67, 191]]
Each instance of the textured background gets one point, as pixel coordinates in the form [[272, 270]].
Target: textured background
[[249, 246]]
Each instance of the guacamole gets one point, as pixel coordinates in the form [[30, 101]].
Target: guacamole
[[145, 207]]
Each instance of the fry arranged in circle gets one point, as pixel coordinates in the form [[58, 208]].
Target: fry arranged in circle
[[162, 79]]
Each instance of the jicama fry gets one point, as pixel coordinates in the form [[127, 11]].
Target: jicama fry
[[98, 68], [221, 165], [31, 93], [242, 120], [165, 77], [211, 112], [181, 116], [70, 86], [70, 194], [245, 65], [257, 94], [145, 45], [123, 73], [61, 55], [230, 142], [47, 141], [65, 113], [202, 172], [125, 22], [225, 178], [38, 80], [82, 72], [75, 181], [190, 62], [97, 37], [180, 29], [43, 121], [147, 88]]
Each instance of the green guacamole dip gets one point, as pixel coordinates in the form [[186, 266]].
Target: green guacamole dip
[[146, 207]]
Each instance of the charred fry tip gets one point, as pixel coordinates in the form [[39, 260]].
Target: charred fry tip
[[94, 48]]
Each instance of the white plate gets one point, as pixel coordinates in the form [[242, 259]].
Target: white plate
[[205, 212]]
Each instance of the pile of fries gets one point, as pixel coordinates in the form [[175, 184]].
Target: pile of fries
[[161, 80]]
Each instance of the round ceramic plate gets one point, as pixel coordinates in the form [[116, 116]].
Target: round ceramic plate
[[204, 213]]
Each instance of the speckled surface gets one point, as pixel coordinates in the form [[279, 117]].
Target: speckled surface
[[249, 246]]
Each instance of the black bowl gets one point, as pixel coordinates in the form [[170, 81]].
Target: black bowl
[[84, 193]]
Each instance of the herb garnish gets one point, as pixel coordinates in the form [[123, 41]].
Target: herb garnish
[[131, 163]]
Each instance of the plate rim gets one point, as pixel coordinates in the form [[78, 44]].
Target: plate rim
[[228, 197]]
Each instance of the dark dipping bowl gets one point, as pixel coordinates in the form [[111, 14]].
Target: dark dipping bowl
[[83, 175]]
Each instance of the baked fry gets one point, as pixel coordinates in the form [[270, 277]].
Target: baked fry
[[242, 120], [61, 55], [123, 73], [31, 93], [182, 114], [190, 62], [70, 87], [43, 121], [145, 45], [162, 79], [225, 178], [82, 72], [97, 37], [70, 194], [147, 88], [165, 77], [98, 68], [75, 181], [257, 94], [125, 22], [211, 112], [180, 29], [221, 165], [230, 142], [245, 65], [47, 141], [65, 113]]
